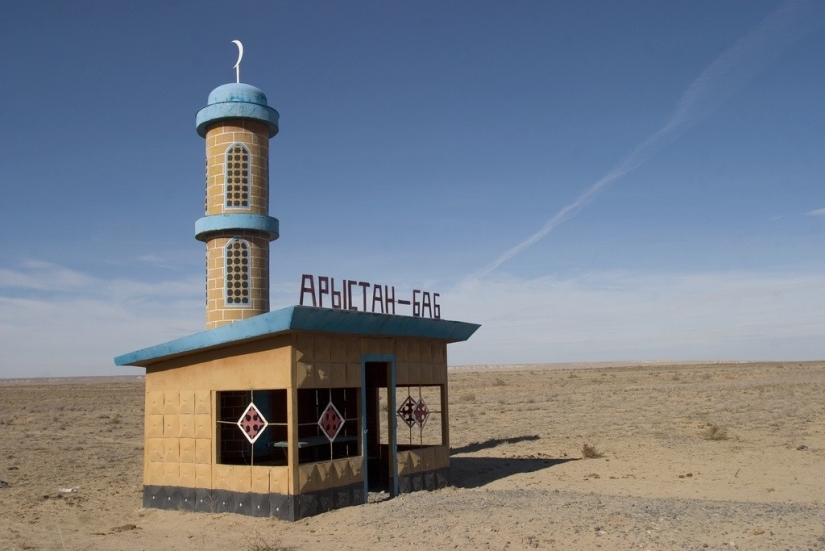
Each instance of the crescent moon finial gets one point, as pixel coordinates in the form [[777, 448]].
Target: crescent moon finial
[[238, 63]]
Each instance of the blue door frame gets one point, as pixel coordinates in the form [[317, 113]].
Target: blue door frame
[[392, 426]]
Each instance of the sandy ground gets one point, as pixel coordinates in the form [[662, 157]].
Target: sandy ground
[[520, 481]]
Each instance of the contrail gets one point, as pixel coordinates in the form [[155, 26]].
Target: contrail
[[791, 21]]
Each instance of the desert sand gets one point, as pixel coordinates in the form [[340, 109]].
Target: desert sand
[[693, 456]]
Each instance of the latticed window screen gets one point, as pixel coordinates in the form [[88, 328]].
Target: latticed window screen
[[419, 416], [327, 424], [236, 272], [252, 427], [237, 176]]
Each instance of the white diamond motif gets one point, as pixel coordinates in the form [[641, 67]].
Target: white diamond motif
[[252, 423]]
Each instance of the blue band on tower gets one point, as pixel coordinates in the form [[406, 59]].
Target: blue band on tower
[[222, 223]]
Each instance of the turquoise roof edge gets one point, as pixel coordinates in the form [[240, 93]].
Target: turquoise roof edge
[[303, 318]]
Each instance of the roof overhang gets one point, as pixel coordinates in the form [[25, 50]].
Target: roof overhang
[[305, 319]]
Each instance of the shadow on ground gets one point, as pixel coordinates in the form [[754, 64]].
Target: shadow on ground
[[473, 472], [492, 443]]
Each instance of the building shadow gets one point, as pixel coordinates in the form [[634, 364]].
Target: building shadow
[[492, 443], [473, 472]]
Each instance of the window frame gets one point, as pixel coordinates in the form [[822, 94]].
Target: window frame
[[229, 181], [245, 281]]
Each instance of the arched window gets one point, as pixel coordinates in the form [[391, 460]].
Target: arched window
[[237, 177], [236, 272]]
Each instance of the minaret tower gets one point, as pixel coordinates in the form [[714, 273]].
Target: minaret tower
[[237, 124]]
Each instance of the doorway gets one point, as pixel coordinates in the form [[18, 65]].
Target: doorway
[[378, 417]]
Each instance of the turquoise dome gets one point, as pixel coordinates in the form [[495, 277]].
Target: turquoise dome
[[237, 92], [237, 101]]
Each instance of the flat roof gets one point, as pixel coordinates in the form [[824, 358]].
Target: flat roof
[[306, 319]]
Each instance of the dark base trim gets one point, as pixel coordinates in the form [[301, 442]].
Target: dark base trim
[[283, 507], [429, 480], [291, 508]]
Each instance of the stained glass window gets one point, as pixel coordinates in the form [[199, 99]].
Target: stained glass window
[[252, 427], [236, 272], [237, 176]]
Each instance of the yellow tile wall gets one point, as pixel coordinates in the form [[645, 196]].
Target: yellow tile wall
[[222, 477], [203, 451], [154, 403], [153, 475], [203, 476], [154, 426], [232, 369], [404, 463], [241, 478], [180, 423], [187, 475], [171, 450], [308, 478], [279, 480], [441, 457], [187, 426], [187, 402], [171, 402], [203, 402], [187, 450], [171, 474], [171, 426], [338, 375], [203, 426], [154, 449], [260, 480]]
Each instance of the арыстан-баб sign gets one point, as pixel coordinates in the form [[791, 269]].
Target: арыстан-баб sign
[[350, 294]]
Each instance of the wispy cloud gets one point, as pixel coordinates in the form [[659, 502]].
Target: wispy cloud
[[77, 329], [168, 262], [751, 54], [58, 321], [817, 212], [606, 316]]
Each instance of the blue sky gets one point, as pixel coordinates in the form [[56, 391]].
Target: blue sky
[[588, 180]]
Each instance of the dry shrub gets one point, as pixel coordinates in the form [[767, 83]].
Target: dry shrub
[[715, 432], [468, 397], [259, 543], [589, 451]]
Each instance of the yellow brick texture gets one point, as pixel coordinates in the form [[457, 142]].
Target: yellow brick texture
[[187, 426], [242, 479], [254, 136], [203, 451], [203, 426], [279, 480], [187, 450], [217, 311], [171, 450], [171, 474], [203, 476], [153, 475], [171, 426], [154, 426], [187, 402], [260, 480], [154, 403], [187, 475]]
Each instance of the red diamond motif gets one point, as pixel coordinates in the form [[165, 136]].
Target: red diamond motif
[[407, 411], [252, 423], [331, 422], [421, 413]]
